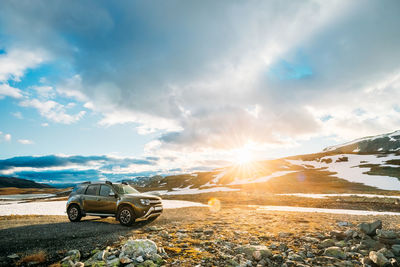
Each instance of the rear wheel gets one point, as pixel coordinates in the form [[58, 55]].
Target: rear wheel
[[126, 216], [74, 213]]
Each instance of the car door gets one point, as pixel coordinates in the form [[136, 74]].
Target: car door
[[108, 201], [90, 199]]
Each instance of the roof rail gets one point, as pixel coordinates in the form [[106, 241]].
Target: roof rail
[[108, 182], [88, 182]]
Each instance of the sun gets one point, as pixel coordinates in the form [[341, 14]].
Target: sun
[[243, 156]]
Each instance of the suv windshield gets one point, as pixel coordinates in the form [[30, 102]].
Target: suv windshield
[[125, 189]]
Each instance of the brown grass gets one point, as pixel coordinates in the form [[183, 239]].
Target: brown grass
[[39, 257]]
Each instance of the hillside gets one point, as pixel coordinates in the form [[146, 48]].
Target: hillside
[[365, 164], [384, 143], [20, 183]]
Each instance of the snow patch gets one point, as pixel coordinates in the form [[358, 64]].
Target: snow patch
[[192, 191], [320, 196], [320, 210], [352, 172], [25, 196], [260, 179]]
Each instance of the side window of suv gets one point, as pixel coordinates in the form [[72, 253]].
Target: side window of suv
[[79, 189], [105, 190], [92, 190]]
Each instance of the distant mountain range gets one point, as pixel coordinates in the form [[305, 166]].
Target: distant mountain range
[[20, 183]]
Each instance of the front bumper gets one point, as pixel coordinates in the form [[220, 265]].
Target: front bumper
[[155, 210]]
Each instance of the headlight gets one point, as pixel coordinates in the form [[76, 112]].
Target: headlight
[[145, 202]]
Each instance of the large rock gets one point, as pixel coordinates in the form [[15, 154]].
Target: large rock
[[327, 243], [386, 234], [396, 250], [379, 259], [249, 251], [335, 252], [370, 228], [139, 247]]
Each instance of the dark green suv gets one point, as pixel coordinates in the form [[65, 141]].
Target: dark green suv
[[107, 199]]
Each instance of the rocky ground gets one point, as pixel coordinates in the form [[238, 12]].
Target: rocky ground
[[232, 236]]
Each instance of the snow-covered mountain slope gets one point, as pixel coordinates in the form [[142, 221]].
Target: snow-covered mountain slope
[[365, 164], [380, 171], [384, 143]]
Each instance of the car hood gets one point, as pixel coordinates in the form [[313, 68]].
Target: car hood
[[148, 196]]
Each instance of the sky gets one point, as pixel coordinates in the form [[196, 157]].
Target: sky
[[111, 89]]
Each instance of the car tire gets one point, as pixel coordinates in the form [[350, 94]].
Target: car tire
[[126, 216], [74, 213]]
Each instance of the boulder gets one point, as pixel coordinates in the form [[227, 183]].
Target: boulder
[[335, 252], [370, 228], [386, 234], [249, 251], [379, 259], [387, 253], [139, 247], [327, 243], [396, 250]]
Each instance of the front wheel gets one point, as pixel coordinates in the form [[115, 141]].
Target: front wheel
[[74, 213], [126, 216]]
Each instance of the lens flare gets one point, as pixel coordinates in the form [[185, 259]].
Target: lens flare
[[214, 204]]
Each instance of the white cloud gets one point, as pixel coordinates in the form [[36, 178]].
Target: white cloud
[[45, 91], [25, 141], [53, 111], [17, 114], [15, 61], [7, 90], [45, 124], [148, 123]]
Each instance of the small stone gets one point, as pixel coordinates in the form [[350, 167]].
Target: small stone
[[154, 228], [114, 262], [13, 256], [341, 244], [342, 224], [79, 264], [125, 260], [164, 234], [349, 233], [327, 243], [295, 257], [208, 232], [370, 228], [277, 258], [387, 253], [310, 254], [338, 235], [139, 259], [394, 262], [257, 255], [378, 258], [335, 252], [147, 263]]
